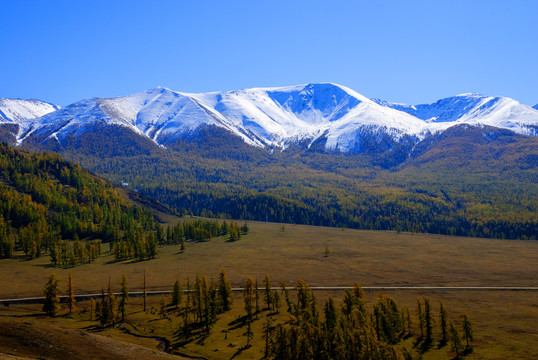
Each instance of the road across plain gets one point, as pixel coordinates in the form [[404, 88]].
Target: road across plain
[[39, 300]]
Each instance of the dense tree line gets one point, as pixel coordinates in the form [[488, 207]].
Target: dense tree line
[[44, 199], [334, 190]]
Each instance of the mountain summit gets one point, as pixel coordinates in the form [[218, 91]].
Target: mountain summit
[[325, 113]]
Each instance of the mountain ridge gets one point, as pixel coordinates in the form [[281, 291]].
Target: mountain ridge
[[270, 117]]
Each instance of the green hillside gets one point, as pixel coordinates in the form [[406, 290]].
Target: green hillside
[[45, 200], [466, 181]]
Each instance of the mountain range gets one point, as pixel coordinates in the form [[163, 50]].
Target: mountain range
[[318, 154], [334, 116]]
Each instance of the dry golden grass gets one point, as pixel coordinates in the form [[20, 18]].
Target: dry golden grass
[[504, 322]]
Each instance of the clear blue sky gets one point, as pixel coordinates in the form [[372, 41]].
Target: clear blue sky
[[403, 51]]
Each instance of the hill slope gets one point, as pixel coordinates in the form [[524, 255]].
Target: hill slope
[[45, 199]]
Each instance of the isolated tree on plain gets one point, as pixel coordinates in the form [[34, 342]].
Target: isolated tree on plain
[[267, 335], [428, 322], [51, 292], [186, 323], [267, 297], [467, 330], [70, 295], [455, 341], [420, 318], [257, 297], [408, 322], [92, 307], [177, 294], [124, 294], [226, 297], [109, 307], [249, 299], [276, 301], [443, 324]]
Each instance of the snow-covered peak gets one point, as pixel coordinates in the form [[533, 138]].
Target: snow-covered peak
[[473, 109], [283, 115], [279, 116], [17, 110]]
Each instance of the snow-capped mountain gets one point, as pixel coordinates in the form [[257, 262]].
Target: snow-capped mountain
[[17, 110], [339, 117], [535, 107], [473, 109], [265, 117], [286, 115]]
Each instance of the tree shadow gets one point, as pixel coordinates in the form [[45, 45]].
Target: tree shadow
[[238, 323], [239, 351]]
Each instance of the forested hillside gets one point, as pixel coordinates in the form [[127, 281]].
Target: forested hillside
[[469, 181], [45, 199]]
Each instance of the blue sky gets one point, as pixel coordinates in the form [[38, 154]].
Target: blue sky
[[403, 51]]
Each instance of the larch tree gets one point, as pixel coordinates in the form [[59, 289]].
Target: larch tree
[[92, 307], [467, 330], [443, 324], [225, 292], [257, 297], [124, 294], [51, 292], [455, 341], [177, 294], [428, 322], [420, 318], [70, 294], [267, 295], [186, 321], [249, 299]]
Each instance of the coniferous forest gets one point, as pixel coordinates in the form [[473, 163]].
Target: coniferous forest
[[46, 200], [456, 184]]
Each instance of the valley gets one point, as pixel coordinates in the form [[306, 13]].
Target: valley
[[429, 203], [502, 320]]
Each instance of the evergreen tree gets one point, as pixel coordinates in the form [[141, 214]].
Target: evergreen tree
[[249, 299], [420, 318], [92, 307], [428, 323], [267, 334], [257, 297], [124, 293], [443, 324], [276, 301], [109, 307], [70, 295], [467, 330], [226, 297], [268, 298], [51, 291], [186, 323], [177, 294], [455, 341], [408, 322]]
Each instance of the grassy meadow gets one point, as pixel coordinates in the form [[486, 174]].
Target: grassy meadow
[[504, 322]]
